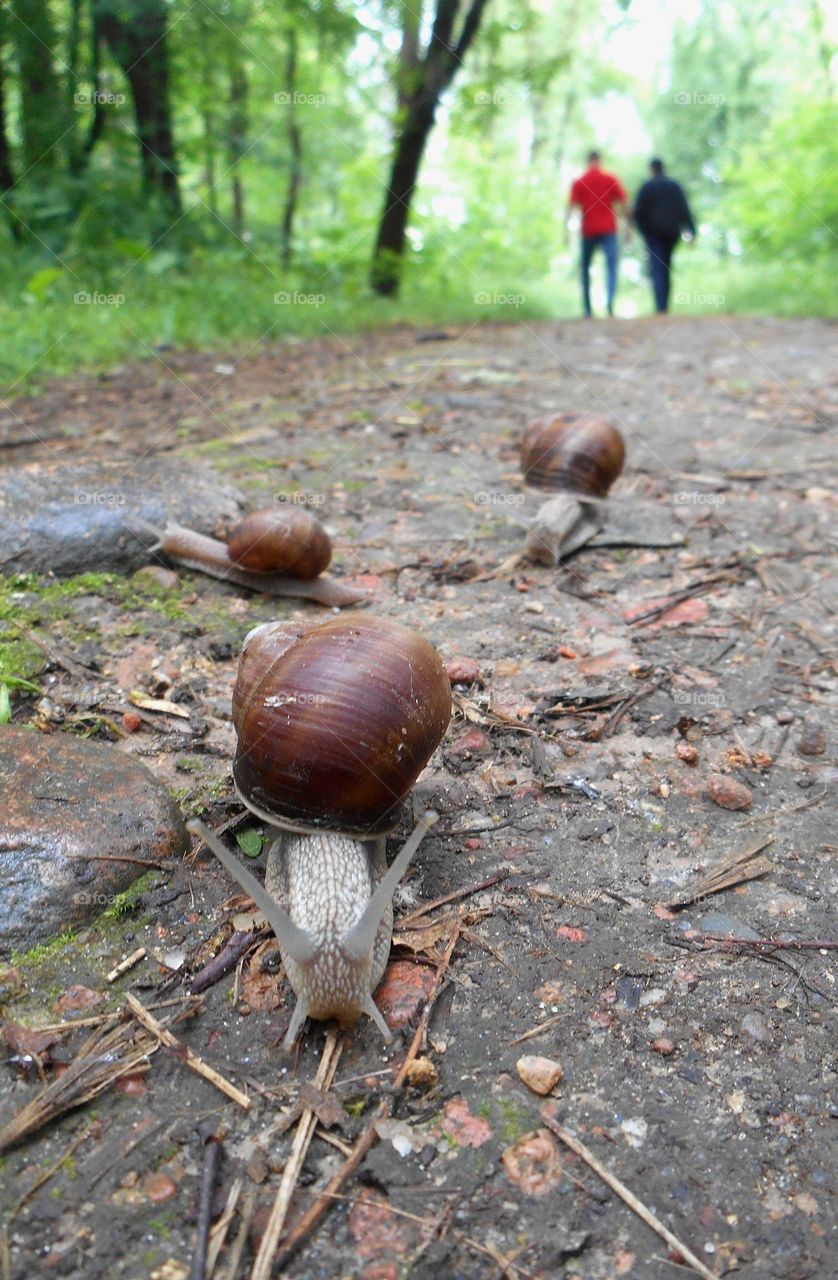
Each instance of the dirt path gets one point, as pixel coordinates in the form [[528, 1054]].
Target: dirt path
[[704, 1076]]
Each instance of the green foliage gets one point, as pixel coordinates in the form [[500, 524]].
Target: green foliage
[[250, 842], [746, 121], [784, 195]]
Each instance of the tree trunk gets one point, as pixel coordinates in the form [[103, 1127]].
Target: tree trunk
[[136, 33], [42, 107], [237, 137], [392, 231], [208, 97], [295, 143], [79, 155], [421, 83], [7, 178]]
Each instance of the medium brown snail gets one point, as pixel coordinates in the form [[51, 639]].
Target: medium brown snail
[[577, 457], [280, 552], [335, 722]]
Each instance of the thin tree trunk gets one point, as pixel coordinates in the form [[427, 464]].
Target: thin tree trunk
[[295, 143], [79, 155], [433, 75], [237, 138], [207, 117], [137, 37], [42, 106], [7, 177]]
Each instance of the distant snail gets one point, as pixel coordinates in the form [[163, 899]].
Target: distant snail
[[335, 722], [577, 457], [280, 552]]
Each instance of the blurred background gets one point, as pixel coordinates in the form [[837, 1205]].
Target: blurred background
[[215, 172]]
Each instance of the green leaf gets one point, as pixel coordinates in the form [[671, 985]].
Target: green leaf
[[41, 283], [250, 842], [5, 705]]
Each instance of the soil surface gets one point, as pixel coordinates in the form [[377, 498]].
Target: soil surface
[[615, 698]]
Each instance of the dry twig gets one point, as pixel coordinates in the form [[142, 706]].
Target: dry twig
[[263, 1265], [310, 1219], [185, 1053], [419, 1035], [628, 1197]]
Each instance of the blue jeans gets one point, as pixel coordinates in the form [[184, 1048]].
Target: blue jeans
[[660, 265], [608, 244]]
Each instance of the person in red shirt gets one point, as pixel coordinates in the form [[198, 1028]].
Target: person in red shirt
[[598, 194]]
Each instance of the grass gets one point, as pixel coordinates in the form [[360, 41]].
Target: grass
[[231, 303]]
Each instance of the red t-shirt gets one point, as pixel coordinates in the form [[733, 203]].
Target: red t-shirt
[[596, 193]]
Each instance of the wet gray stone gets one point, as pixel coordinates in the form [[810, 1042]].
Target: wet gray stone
[[65, 798], [725, 926], [98, 517], [757, 1027]]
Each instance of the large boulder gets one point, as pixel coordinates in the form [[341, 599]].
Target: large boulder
[[100, 517], [63, 799]]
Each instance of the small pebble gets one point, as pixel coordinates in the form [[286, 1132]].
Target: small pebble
[[686, 751], [664, 1047], [812, 740], [462, 670], [131, 722], [757, 1027], [727, 793], [539, 1074]]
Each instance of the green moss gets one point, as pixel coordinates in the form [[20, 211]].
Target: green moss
[[129, 899], [43, 952], [515, 1119]]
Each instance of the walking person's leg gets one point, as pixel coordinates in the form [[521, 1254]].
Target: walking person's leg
[[668, 250], [588, 246], [658, 271], [609, 248]]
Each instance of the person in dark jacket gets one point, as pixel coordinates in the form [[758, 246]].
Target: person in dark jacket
[[661, 214]]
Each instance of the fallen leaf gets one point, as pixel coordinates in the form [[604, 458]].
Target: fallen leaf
[[462, 1127], [533, 1163], [78, 998], [570, 933], [375, 1229], [143, 700], [403, 991]]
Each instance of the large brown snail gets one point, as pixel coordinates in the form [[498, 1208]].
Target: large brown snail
[[577, 458], [278, 551], [335, 722]]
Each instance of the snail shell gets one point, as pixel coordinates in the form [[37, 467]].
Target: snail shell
[[336, 721], [291, 541], [580, 453]]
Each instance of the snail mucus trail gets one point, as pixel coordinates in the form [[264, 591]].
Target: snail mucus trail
[[335, 721]]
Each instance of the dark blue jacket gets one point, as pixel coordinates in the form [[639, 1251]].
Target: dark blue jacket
[[661, 209]]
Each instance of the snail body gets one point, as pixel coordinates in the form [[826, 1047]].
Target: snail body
[[277, 552], [335, 722], [576, 458]]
